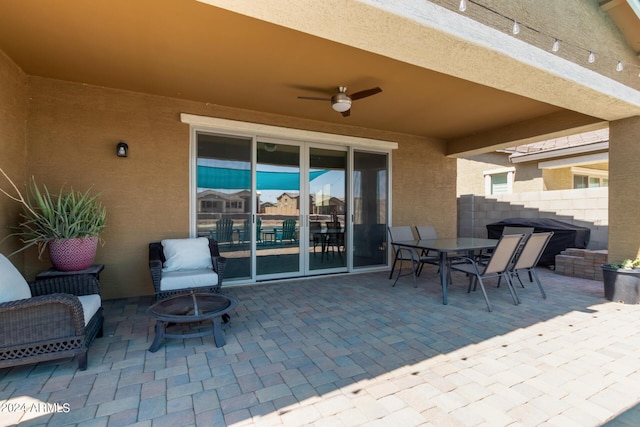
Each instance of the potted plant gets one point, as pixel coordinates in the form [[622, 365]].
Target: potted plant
[[622, 281], [68, 223]]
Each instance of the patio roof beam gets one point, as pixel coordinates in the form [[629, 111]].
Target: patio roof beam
[[555, 125]]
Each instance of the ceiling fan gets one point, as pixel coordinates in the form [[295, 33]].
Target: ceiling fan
[[341, 101]]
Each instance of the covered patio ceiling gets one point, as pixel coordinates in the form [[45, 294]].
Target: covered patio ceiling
[[219, 52]]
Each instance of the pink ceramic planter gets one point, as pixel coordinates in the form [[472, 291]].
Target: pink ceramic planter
[[73, 254]]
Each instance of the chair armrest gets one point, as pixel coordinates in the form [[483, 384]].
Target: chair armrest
[[155, 249], [467, 259], [83, 284], [155, 268], [219, 265], [40, 318]]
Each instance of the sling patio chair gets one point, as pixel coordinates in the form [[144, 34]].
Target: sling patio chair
[[529, 256], [402, 233], [497, 266], [508, 229], [428, 232]]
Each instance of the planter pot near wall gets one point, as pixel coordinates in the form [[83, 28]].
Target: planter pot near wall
[[73, 254], [621, 285]]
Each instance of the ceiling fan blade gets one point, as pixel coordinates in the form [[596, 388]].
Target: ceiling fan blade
[[314, 98], [365, 93], [305, 88], [346, 113]]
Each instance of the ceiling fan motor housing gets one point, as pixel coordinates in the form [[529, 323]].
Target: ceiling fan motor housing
[[341, 102]]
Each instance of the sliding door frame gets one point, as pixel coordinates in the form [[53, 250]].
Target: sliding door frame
[[303, 138]]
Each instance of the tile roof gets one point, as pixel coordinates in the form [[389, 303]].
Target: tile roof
[[601, 135]]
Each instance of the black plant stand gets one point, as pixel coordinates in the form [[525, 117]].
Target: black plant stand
[[94, 270]]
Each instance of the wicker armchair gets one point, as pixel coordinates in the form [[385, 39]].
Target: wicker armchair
[[51, 324], [201, 280]]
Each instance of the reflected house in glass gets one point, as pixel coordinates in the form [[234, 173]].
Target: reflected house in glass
[[264, 206], [286, 204], [211, 201], [327, 206]]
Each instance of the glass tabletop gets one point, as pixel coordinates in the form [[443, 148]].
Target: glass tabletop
[[450, 244]]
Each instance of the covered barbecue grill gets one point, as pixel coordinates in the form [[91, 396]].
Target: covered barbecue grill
[[564, 235]]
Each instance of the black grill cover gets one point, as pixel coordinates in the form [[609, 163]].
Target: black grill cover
[[564, 235]]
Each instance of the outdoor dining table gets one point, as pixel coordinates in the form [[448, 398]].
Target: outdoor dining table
[[443, 247]]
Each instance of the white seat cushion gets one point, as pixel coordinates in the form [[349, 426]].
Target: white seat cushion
[[186, 279], [12, 284], [90, 304], [186, 254]]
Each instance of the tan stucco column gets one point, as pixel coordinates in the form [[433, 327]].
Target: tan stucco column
[[624, 186]]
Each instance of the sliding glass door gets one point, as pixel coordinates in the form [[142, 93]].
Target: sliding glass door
[[327, 210], [224, 202], [282, 208], [370, 207], [279, 210]]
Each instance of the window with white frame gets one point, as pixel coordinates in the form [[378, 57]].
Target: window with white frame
[[589, 178], [498, 181]]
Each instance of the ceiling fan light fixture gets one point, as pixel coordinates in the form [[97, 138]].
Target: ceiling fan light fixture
[[341, 102]]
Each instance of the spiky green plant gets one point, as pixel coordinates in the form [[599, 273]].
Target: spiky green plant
[[46, 216], [628, 264]]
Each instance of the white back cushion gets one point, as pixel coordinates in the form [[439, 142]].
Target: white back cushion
[[12, 284], [186, 254]]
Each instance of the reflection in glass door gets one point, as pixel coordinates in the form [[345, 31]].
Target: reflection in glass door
[[278, 217], [223, 199], [370, 207], [289, 209], [327, 209]]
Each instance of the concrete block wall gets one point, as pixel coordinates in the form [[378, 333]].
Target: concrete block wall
[[587, 207]]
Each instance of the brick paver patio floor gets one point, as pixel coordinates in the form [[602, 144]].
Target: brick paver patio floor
[[353, 351]]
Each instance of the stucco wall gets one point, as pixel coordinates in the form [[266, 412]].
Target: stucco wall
[[72, 133], [13, 115], [557, 179], [624, 203], [424, 182], [470, 179], [528, 177]]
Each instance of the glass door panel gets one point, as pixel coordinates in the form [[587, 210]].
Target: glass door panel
[[223, 198], [370, 207], [327, 209], [278, 217]]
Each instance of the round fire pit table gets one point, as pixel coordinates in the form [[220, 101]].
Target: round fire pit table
[[193, 307]]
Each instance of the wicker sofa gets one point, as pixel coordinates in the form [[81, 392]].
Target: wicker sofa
[[202, 267], [59, 319]]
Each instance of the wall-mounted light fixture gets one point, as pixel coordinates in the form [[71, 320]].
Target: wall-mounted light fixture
[[122, 149]]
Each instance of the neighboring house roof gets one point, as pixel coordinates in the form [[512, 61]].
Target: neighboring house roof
[[578, 144], [216, 194], [289, 195]]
